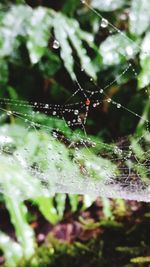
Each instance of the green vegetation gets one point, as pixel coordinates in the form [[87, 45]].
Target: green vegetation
[[45, 48]]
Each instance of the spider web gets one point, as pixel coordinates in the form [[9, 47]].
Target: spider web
[[43, 159]]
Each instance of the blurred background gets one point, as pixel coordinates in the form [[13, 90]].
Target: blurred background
[[45, 46]]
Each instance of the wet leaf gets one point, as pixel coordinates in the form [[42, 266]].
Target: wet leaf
[[117, 49], [46, 207], [107, 5], [12, 250], [139, 16], [24, 232], [38, 34], [144, 77]]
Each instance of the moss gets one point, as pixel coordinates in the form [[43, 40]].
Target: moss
[[115, 247], [59, 253]]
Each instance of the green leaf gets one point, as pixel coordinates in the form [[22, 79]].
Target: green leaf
[[139, 16], [143, 173], [107, 209], [9, 34], [18, 177], [60, 204], [46, 207], [24, 232], [38, 33], [38, 150], [49, 64], [12, 92], [12, 250], [74, 34], [141, 125], [117, 49], [97, 168], [65, 48], [74, 201], [70, 32], [141, 260], [34, 26], [70, 6], [144, 77], [107, 5], [88, 201], [3, 72]]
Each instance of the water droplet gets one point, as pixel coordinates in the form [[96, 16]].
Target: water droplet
[[55, 135], [129, 51], [93, 144], [56, 44], [117, 150], [76, 112], [109, 100], [118, 105], [46, 106], [9, 113], [101, 91], [54, 113], [104, 23]]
